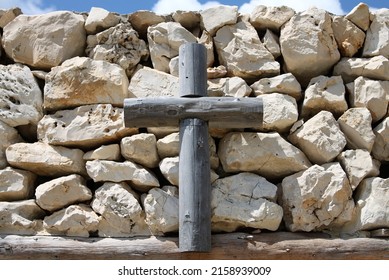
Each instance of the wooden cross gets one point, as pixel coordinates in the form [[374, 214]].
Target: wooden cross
[[193, 111]]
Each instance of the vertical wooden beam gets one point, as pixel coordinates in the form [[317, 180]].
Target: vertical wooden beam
[[194, 165]]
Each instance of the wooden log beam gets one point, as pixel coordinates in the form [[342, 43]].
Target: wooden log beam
[[220, 112], [270, 246]]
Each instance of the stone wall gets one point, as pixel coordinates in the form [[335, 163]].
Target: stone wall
[[319, 161]]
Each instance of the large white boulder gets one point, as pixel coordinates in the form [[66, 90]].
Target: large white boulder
[[263, 17], [360, 16], [99, 19], [44, 41], [348, 36], [16, 184], [212, 19], [233, 87], [377, 35], [141, 148], [105, 152]]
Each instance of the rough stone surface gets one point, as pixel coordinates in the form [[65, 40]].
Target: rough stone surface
[[355, 124], [207, 40], [358, 164], [271, 43], [141, 148], [6, 16], [272, 18], [216, 72], [122, 215], [308, 39], [165, 40], [371, 94], [75, 220], [148, 82], [47, 39], [16, 184], [360, 16], [375, 68], [84, 127], [119, 44], [380, 149], [62, 192], [100, 19], [233, 87], [242, 53], [244, 200], [20, 96], [46, 160], [285, 83], [320, 138], [216, 17], [317, 197], [142, 20], [105, 152], [84, 81], [188, 19], [161, 208], [377, 35], [266, 154], [325, 93], [8, 136], [20, 217], [279, 112], [348, 36], [103, 170]]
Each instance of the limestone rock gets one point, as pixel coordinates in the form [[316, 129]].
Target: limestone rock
[[360, 16], [370, 94], [20, 96], [84, 127], [16, 184], [165, 40], [46, 160], [216, 72], [316, 198], [233, 87], [240, 50], [266, 154], [320, 138], [380, 149], [120, 45], [272, 18], [271, 43], [355, 123], [244, 200], [105, 152], [104, 170], [216, 17], [20, 217], [122, 215], [188, 19], [75, 220], [161, 132], [84, 81], [377, 35], [148, 82], [6, 16], [141, 148], [308, 39], [348, 36], [285, 83], [142, 20], [8, 136], [47, 39], [100, 19], [207, 40], [279, 112], [62, 192], [375, 68], [161, 208], [372, 204], [358, 165], [325, 93]]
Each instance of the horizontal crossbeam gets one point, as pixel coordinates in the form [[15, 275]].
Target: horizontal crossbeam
[[220, 112]]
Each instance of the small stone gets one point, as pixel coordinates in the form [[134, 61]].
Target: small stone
[[272, 18], [161, 208], [141, 148], [16, 184], [233, 87], [62, 192], [244, 200], [320, 138], [100, 19], [355, 123], [266, 154], [358, 165], [142, 20], [348, 36], [271, 43], [105, 152], [216, 72], [216, 17], [376, 42], [104, 170], [360, 16], [46, 160], [8, 136], [75, 220], [380, 149]]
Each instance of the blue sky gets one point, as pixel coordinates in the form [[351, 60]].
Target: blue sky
[[166, 6]]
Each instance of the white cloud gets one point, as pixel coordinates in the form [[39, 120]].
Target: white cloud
[[29, 7], [332, 6], [168, 6]]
